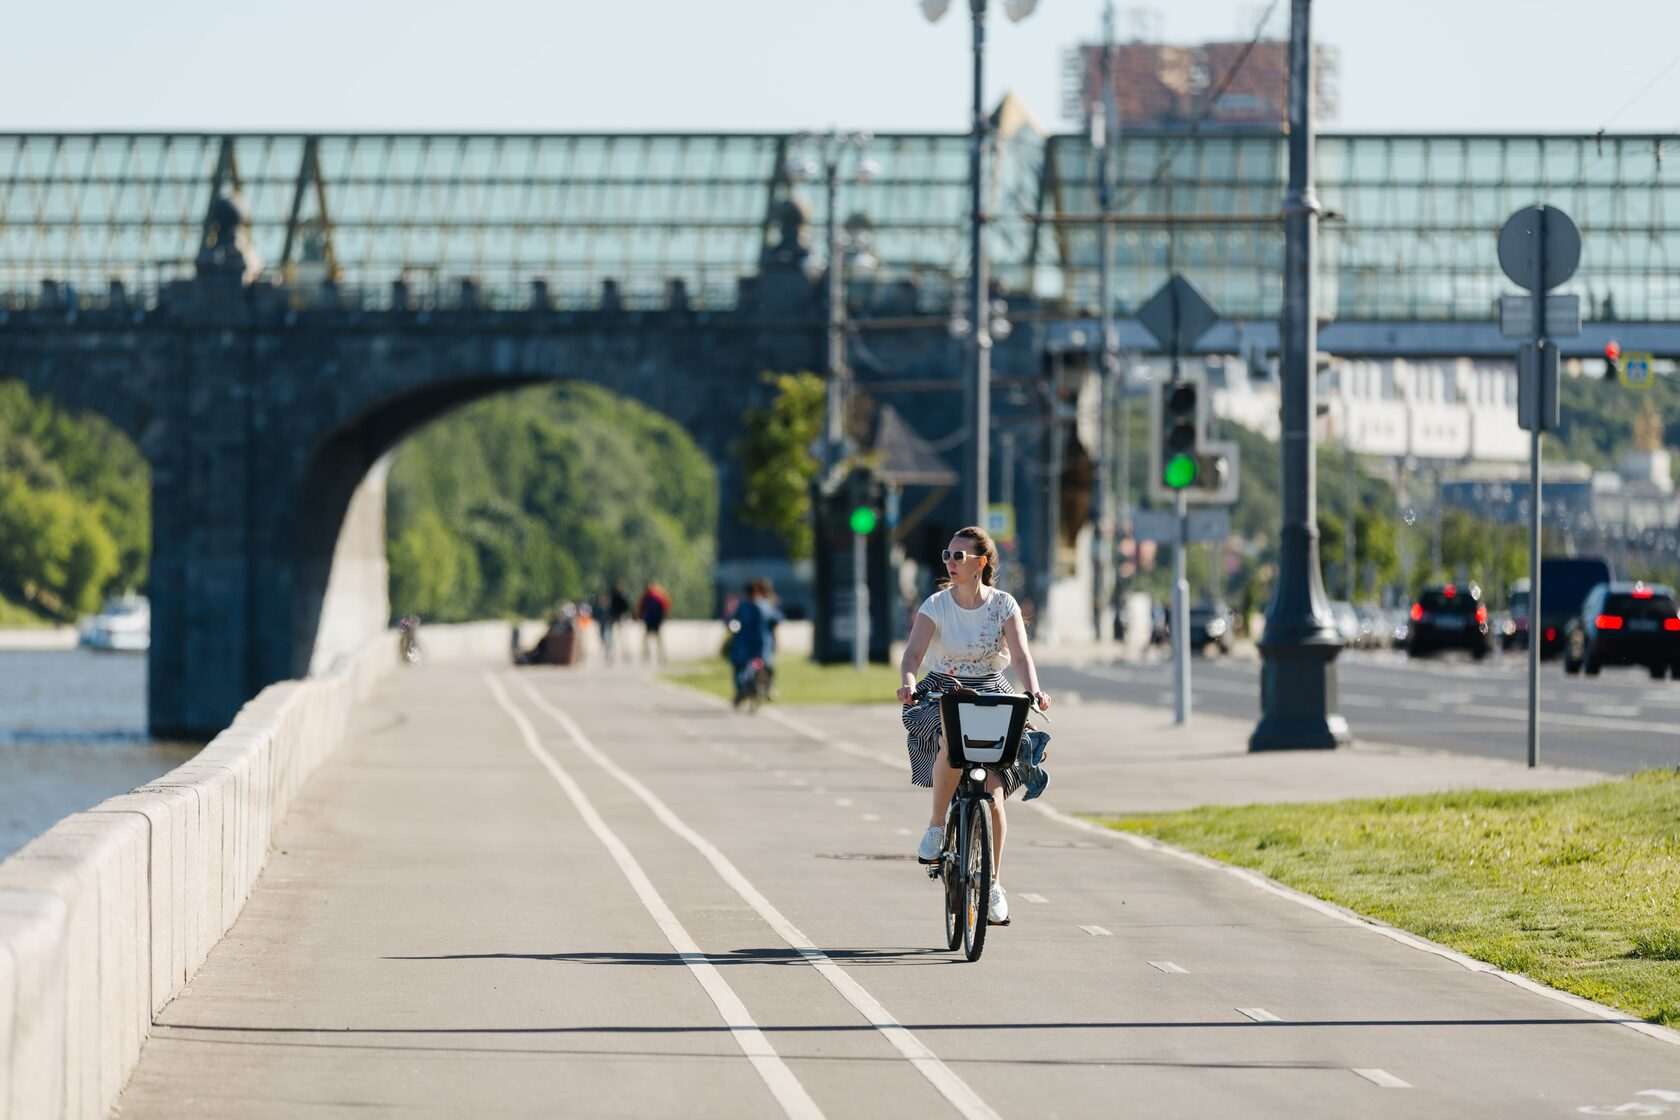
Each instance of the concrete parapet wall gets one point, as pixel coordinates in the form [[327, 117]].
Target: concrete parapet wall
[[105, 917]]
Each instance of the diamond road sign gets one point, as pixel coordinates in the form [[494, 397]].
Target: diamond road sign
[[1177, 315]]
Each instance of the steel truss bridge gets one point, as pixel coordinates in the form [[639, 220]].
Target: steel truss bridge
[[580, 221]]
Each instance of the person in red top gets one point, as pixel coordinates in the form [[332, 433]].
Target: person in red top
[[654, 608]]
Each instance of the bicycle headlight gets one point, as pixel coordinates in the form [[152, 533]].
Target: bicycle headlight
[[978, 773]]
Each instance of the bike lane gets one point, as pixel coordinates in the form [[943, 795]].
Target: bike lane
[[1139, 980], [437, 933]]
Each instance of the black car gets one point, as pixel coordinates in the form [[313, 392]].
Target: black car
[[1449, 616], [1564, 584], [1211, 624], [1624, 624]]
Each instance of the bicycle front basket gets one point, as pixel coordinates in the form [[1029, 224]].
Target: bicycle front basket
[[983, 728]]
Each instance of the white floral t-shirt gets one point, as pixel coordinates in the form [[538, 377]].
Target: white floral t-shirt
[[968, 643]]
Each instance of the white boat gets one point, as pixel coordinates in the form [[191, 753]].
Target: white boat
[[124, 623]]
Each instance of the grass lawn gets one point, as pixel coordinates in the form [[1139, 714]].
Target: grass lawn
[[798, 681], [1579, 889], [14, 617]]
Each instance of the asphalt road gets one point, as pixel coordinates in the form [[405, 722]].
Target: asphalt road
[[1621, 721], [565, 893]]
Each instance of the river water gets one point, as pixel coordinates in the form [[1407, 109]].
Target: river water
[[72, 733]]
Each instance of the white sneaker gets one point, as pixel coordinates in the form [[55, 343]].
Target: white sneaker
[[933, 841], [997, 909]]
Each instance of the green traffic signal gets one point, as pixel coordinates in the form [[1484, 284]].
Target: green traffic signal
[[864, 521], [1179, 472]]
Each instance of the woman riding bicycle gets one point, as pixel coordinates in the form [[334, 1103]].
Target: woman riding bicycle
[[969, 631]]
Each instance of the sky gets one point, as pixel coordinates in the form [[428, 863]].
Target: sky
[[779, 65]]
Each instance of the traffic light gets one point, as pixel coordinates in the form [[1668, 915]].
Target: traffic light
[[1182, 460], [1612, 359], [863, 520], [1180, 433]]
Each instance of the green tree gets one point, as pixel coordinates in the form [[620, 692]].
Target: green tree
[[519, 502], [777, 463]]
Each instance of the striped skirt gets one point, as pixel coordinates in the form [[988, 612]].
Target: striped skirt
[[921, 720]]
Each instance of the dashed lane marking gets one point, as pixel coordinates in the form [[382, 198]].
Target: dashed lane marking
[[1259, 1014], [944, 1080], [1028, 896], [1256, 880], [778, 1078], [1167, 966], [1384, 1078], [1096, 931]]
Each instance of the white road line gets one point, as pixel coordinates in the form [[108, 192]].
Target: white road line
[[1384, 1078], [1262, 882], [1259, 1014], [1028, 896], [778, 1078], [871, 817], [953, 1088], [843, 802], [1167, 966], [1096, 931]]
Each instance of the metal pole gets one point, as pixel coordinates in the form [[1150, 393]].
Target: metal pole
[[1299, 647], [1110, 442], [1180, 630], [979, 411], [1536, 633], [1051, 521], [860, 601], [1181, 616], [1350, 542], [834, 427]]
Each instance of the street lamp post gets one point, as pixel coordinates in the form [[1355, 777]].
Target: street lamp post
[[832, 148], [1111, 438], [1299, 647], [977, 400]]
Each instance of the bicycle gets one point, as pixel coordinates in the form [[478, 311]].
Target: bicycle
[[996, 720], [752, 685]]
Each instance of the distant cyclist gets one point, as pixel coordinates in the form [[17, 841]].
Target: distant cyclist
[[969, 632], [754, 626]]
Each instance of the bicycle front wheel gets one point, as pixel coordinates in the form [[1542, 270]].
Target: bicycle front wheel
[[950, 872], [977, 876]]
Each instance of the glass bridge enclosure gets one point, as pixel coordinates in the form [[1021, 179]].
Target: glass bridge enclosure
[[1408, 234]]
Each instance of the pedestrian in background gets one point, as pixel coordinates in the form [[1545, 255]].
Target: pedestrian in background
[[654, 608]]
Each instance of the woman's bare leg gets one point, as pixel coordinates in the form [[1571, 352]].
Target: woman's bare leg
[[945, 779], [999, 824]]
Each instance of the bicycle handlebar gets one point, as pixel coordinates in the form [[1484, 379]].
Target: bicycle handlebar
[[1032, 700]]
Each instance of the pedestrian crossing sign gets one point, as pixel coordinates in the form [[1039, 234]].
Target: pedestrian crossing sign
[[1636, 370], [1000, 522]]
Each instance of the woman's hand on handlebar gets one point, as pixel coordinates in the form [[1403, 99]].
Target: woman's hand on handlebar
[[1042, 699], [906, 692]]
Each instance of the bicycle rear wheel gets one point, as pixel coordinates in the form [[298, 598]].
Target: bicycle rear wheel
[[950, 874], [977, 880]]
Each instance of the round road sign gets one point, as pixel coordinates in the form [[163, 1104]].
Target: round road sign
[[1520, 243]]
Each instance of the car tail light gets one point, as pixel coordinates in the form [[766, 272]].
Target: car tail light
[[1551, 633], [1449, 590], [1417, 612], [1608, 622], [1671, 624], [1641, 592], [1481, 614]]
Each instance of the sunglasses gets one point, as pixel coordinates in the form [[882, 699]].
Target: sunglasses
[[958, 556]]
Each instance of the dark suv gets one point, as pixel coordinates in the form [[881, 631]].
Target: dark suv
[[1624, 624], [1450, 616]]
